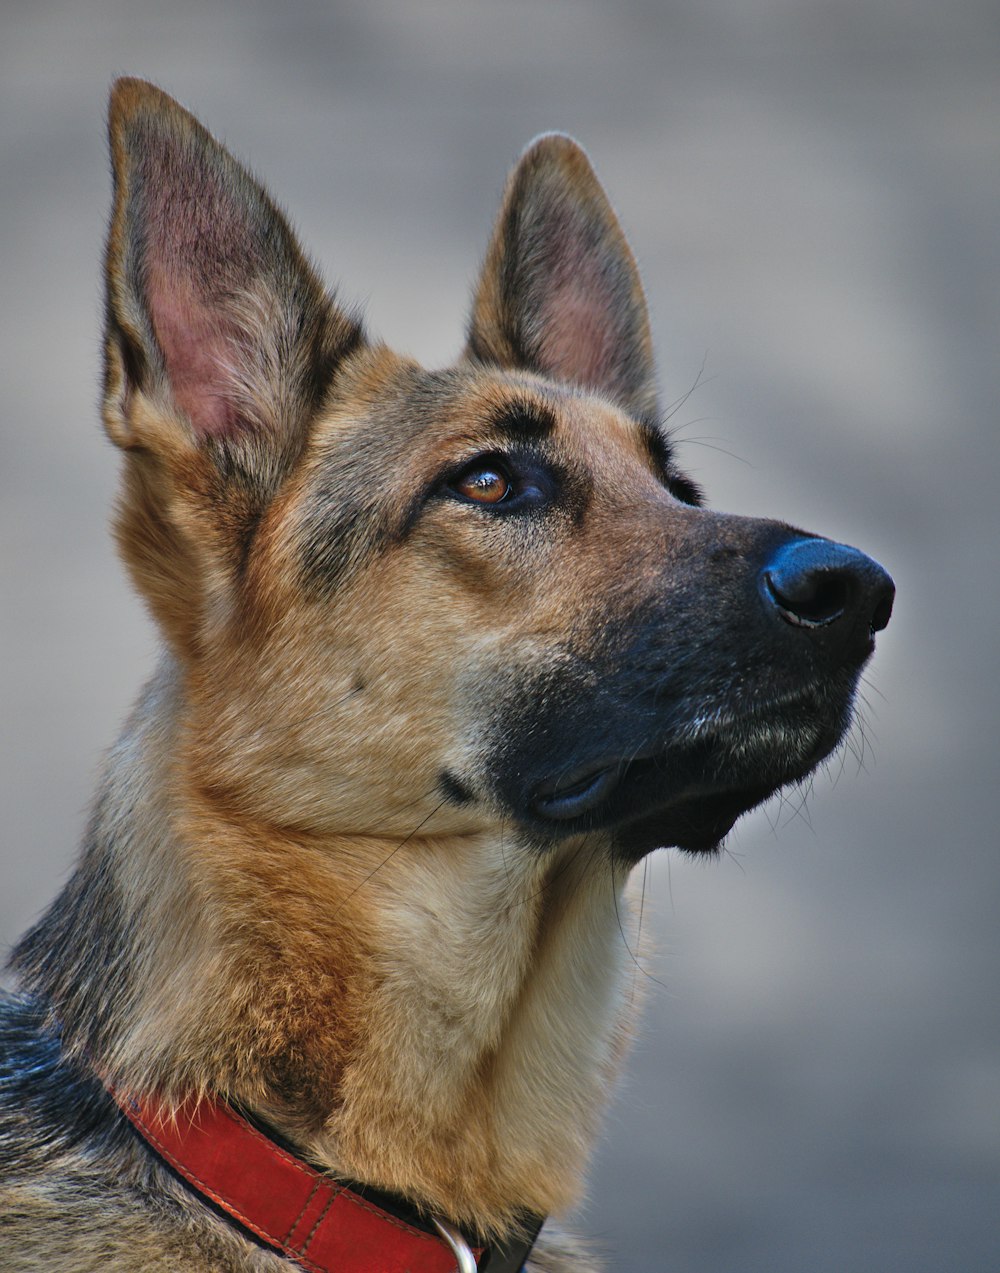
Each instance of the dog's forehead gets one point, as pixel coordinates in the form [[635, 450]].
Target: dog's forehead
[[399, 415]]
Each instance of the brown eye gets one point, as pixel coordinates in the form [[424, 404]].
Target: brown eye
[[485, 485]]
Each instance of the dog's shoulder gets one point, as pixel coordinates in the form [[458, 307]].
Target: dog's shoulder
[[76, 1192], [49, 1104]]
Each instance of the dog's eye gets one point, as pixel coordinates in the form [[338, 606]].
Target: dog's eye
[[506, 484], [483, 484]]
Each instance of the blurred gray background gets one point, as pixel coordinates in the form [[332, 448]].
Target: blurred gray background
[[811, 189]]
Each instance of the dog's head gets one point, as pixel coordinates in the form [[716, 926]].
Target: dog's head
[[483, 596]]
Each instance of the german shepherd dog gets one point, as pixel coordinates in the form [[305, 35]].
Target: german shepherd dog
[[445, 654]]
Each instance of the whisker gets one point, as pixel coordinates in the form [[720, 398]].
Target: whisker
[[638, 927], [722, 450], [503, 853], [699, 380], [870, 685], [386, 860], [631, 953], [551, 879], [325, 710]]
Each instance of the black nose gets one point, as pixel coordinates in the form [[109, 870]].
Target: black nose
[[814, 583]]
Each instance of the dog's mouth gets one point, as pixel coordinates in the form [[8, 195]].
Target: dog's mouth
[[690, 819], [686, 795], [684, 817]]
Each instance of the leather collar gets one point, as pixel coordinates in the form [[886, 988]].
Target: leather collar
[[318, 1222]]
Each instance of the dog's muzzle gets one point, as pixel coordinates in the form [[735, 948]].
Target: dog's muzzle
[[702, 712]]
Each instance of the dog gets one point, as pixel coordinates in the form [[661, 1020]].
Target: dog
[[337, 980]]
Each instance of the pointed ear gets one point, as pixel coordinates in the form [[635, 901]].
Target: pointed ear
[[214, 316], [559, 292], [220, 345]]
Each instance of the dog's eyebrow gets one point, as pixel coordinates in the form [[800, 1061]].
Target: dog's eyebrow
[[523, 419], [661, 450], [656, 443]]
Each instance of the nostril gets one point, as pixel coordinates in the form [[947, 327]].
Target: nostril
[[814, 582], [883, 608], [809, 599]]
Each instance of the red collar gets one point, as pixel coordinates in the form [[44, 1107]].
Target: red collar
[[310, 1218]]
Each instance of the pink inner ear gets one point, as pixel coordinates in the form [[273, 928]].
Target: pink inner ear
[[579, 341], [198, 354], [580, 337]]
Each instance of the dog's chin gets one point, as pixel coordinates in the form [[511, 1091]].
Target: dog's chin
[[687, 797], [696, 825]]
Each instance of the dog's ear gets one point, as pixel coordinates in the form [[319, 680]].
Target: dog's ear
[[212, 309], [559, 292], [220, 344]]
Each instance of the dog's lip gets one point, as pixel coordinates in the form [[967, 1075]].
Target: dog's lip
[[696, 816], [579, 791], [574, 792], [659, 797]]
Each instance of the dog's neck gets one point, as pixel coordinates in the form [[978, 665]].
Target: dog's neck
[[442, 1025]]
